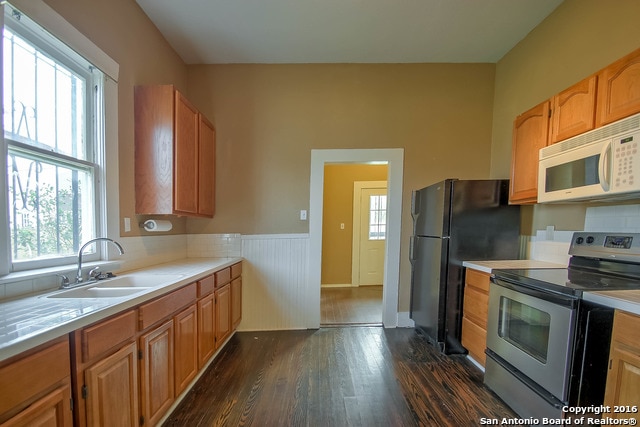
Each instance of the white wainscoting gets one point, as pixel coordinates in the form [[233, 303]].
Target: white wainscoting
[[276, 294]]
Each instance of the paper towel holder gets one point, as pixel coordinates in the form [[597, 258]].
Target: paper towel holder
[[155, 225]]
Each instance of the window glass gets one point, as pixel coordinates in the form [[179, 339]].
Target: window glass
[[52, 109], [377, 217]]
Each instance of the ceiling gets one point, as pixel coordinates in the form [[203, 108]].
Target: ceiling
[[345, 31]]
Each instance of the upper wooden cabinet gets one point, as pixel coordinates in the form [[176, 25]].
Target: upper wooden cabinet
[[573, 110], [174, 154], [619, 89], [530, 134]]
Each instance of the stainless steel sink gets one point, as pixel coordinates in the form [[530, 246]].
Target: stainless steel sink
[[118, 286], [138, 281], [98, 292]]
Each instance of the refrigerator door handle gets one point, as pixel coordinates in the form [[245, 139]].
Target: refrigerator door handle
[[412, 243]]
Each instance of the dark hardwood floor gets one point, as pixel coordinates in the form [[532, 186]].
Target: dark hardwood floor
[[352, 376], [351, 305]]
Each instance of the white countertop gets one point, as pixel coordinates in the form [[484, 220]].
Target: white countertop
[[28, 322], [628, 300], [488, 266]]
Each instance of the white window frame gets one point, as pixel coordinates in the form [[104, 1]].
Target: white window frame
[[107, 188]]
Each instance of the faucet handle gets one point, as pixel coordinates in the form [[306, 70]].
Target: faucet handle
[[94, 272], [64, 281]]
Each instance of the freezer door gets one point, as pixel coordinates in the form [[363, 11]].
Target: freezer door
[[431, 210], [427, 286]]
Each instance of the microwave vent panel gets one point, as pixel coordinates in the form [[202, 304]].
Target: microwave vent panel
[[626, 125]]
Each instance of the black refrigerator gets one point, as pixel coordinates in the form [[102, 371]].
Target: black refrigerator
[[455, 221]]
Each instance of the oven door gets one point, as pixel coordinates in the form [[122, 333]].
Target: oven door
[[533, 331]]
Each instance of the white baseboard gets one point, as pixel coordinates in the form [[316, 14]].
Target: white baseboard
[[404, 321], [337, 285]]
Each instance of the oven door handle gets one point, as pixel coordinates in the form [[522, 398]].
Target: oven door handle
[[553, 297]]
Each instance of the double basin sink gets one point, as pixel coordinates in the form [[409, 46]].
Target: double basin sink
[[120, 286]]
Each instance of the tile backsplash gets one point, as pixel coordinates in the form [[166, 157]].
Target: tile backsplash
[[140, 252], [621, 218]]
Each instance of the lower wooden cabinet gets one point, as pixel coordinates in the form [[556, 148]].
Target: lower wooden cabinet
[[623, 379], [51, 410], [223, 314], [186, 348], [156, 372], [44, 394], [206, 329], [111, 389], [236, 302], [129, 369], [474, 320]]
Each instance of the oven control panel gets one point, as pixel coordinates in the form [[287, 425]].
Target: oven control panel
[[618, 246]]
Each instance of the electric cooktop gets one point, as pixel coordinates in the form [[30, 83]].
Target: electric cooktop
[[599, 262]]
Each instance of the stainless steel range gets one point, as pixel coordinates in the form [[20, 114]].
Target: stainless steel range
[[547, 348]]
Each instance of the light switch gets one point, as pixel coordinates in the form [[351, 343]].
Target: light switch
[[303, 215], [127, 225], [342, 226]]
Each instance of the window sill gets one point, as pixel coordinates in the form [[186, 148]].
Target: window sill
[[68, 270]]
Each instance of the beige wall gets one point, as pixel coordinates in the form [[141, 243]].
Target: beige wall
[[122, 30], [269, 117], [577, 39], [337, 243]]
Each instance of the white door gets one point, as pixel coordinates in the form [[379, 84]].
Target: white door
[[373, 231]]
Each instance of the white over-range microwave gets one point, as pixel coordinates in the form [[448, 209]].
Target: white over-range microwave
[[602, 164]]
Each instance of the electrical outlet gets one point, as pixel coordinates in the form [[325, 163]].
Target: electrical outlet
[[127, 225]]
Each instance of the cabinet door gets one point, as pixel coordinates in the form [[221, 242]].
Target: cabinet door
[[53, 410], [112, 390], [206, 168], [623, 379], [186, 348], [206, 329], [530, 131], [573, 110], [619, 89], [236, 302], [185, 190], [223, 314], [156, 372]]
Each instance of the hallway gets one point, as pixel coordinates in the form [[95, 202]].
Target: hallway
[[351, 306]]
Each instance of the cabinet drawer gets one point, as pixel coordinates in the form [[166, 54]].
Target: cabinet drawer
[[476, 305], [206, 286], [167, 305], [34, 373], [626, 328], [223, 277], [478, 279], [108, 334], [236, 270], [474, 339]]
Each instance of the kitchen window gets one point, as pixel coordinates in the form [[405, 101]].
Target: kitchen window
[[54, 142]]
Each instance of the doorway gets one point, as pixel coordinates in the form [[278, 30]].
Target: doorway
[[353, 243], [394, 158]]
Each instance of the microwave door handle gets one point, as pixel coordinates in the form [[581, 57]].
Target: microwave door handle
[[603, 167]]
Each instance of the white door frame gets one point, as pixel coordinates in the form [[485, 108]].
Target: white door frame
[[394, 158], [358, 186]]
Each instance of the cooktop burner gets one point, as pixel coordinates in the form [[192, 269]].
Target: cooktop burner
[[599, 262]]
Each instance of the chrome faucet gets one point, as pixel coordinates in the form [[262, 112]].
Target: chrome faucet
[[106, 239]]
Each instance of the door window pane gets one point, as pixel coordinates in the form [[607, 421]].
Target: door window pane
[[377, 217]]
